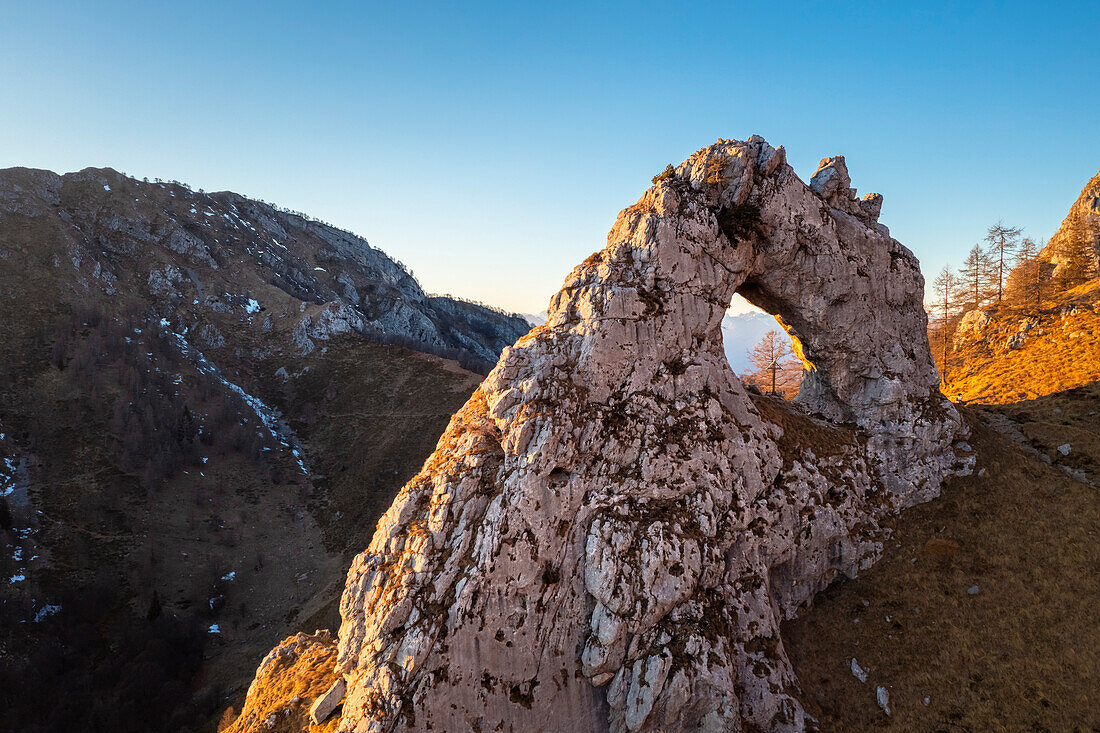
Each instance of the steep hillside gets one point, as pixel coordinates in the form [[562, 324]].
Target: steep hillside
[[205, 405], [1003, 355], [1043, 336], [1084, 213], [981, 614]]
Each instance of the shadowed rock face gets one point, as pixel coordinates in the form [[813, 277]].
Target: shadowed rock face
[[611, 530]]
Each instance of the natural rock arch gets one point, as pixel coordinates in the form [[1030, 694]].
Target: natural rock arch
[[611, 530]]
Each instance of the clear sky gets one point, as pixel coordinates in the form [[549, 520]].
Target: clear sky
[[490, 146]]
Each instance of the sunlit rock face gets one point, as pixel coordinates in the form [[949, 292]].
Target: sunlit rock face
[[611, 530], [1086, 211]]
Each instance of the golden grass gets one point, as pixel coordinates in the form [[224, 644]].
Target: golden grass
[[287, 689], [1062, 352]]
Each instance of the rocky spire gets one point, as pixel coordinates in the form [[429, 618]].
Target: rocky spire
[[611, 530], [832, 183]]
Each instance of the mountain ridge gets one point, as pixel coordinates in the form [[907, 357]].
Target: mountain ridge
[[205, 404], [389, 301]]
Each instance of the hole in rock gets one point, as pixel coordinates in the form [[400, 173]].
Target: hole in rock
[[760, 350]]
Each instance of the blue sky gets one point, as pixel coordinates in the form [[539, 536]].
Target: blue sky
[[490, 146]]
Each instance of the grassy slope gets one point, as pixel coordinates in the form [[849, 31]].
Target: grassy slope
[[302, 670], [1021, 653], [1061, 352]]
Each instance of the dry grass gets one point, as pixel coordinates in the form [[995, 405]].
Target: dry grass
[[1061, 352], [1023, 652], [287, 687], [1063, 418]]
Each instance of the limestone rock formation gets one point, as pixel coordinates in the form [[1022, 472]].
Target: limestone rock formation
[[611, 530], [324, 705], [1086, 211], [972, 324]]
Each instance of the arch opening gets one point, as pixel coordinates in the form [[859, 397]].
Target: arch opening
[[762, 345]]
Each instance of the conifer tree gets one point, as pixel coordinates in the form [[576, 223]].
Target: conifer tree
[[1028, 283], [1003, 242], [946, 287], [975, 277]]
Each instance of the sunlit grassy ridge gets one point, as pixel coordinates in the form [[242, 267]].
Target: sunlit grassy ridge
[[1057, 348]]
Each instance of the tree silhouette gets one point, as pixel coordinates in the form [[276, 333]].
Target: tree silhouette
[[1028, 276], [976, 276]]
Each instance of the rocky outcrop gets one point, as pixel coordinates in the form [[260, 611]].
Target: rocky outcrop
[[1085, 212], [290, 681], [611, 530], [326, 704], [972, 324]]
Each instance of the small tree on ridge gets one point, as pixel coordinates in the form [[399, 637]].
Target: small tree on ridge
[[1003, 243]]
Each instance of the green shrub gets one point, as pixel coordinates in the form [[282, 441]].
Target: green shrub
[[665, 175]]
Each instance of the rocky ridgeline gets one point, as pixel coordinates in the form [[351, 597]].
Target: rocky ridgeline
[[1086, 212], [611, 530], [221, 253]]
